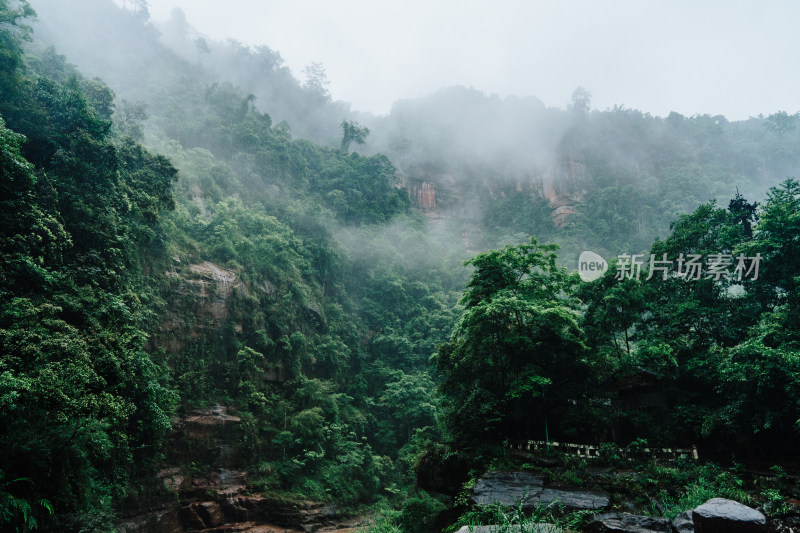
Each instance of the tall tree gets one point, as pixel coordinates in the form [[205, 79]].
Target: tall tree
[[352, 131], [518, 351]]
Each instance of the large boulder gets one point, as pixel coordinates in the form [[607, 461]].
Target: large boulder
[[507, 488], [514, 488], [683, 523], [629, 523], [572, 500], [719, 515]]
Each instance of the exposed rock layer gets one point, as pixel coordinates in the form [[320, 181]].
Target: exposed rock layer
[[563, 184], [512, 488]]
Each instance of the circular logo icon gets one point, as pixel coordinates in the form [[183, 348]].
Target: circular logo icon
[[591, 266]]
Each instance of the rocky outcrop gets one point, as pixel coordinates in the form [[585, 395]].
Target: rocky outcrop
[[233, 505], [513, 488], [628, 523], [223, 279], [562, 213], [207, 436], [248, 527], [219, 498], [563, 183], [432, 193], [683, 523], [569, 499], [198, 303], [201, 424], [164, 520], [202, 515], [719, 515], [508, 488], [423, 195]]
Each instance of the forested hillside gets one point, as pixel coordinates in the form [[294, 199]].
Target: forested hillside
[[81, 397], [222, 292], [275, 284], [609, 181]]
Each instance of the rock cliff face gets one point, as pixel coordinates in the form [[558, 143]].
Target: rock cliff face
[[217, 497], [198, 302], [563, 183], [423, 195], [202, 297], [203, 484], [434, 192], [209, 436]]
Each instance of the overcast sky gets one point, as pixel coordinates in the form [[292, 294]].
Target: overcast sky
[[725, 57]]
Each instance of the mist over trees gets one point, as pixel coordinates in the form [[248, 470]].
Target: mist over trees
[[186, 225], [482, 153]]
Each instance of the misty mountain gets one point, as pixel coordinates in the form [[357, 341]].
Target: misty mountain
[[134, 56], [462, 155], [228, 301]]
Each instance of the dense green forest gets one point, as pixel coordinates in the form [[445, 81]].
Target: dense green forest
[[381, 303]]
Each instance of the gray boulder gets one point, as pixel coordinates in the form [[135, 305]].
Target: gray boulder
[[569, 499], [508, 488], [683, 523], [719, 515], [629, 523], [513, 488]]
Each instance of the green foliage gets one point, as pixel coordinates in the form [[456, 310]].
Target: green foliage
[[13, 29], [80, 396], [775, 504], [352, 132], [383, 525], [335, 293], [518, 351], [513, 518], [693, 486], [722, 349], [419, 513], [517, 212], [15, 510], [609, 453]]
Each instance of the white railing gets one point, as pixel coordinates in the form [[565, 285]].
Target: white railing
[[590, 451]]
